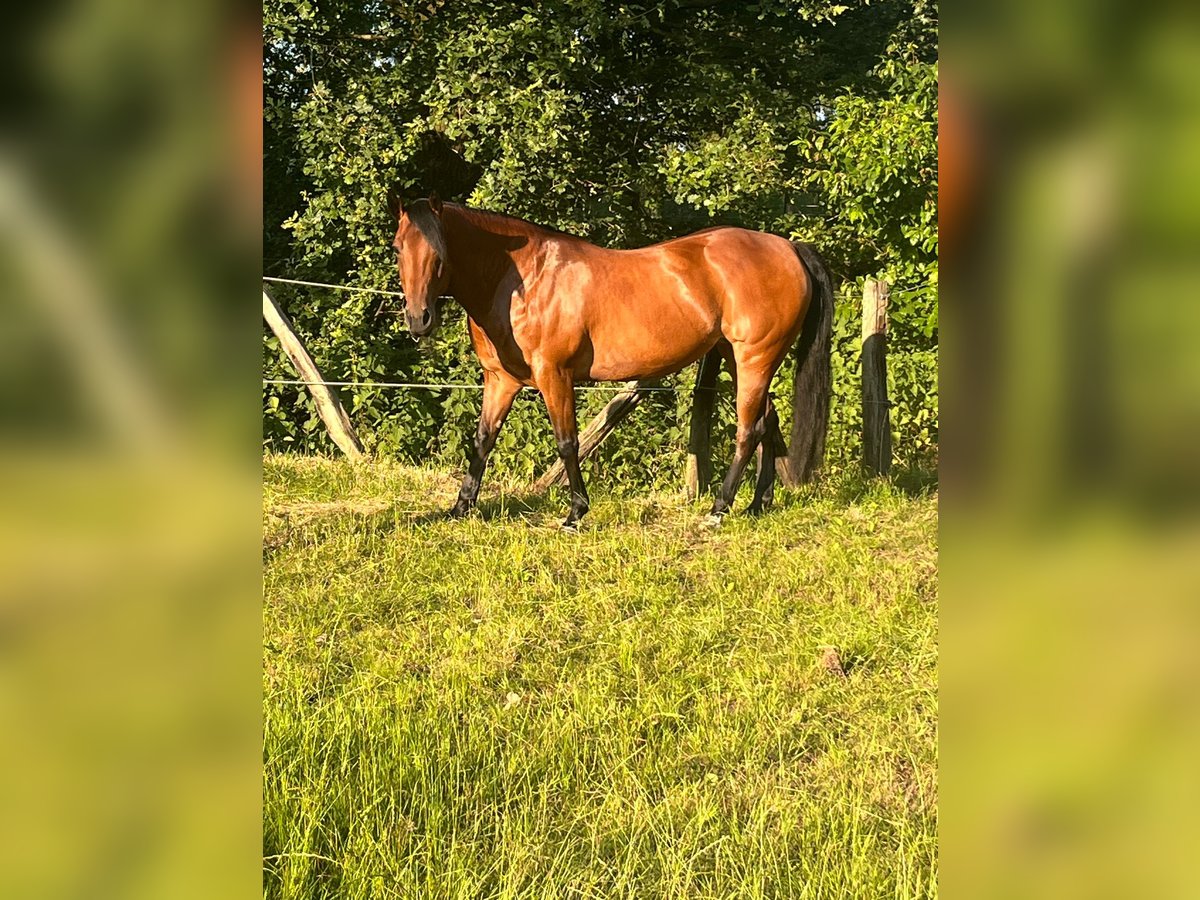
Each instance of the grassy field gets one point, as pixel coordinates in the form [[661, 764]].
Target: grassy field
[[492, 708]]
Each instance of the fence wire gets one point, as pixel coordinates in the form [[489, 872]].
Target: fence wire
[[472, 387], [466, 387]]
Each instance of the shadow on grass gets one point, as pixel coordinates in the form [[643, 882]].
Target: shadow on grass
[[855, 486], [503, 507], [309, 522], [916, 481], [520, 505]]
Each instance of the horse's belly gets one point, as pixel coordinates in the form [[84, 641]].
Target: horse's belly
[[619, 370], [649, 347]]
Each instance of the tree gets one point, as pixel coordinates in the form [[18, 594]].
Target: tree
[[622, 122]]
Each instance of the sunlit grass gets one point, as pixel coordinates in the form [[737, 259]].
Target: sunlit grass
[[492, 708]]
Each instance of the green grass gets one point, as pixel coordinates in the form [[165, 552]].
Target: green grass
[[492, 708]]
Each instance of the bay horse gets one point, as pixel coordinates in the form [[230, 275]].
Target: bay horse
[[547, 309]]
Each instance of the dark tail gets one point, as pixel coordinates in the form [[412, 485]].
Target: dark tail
[[814, 381]]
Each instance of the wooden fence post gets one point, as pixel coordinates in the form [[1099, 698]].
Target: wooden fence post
[[698, 469], [783, 466], [597, 430], [328, 405], [877, 433]]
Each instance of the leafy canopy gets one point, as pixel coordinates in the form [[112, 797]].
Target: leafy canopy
[[622, 122]]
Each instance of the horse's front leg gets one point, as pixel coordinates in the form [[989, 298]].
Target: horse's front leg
[[558, 390], [499, 390]]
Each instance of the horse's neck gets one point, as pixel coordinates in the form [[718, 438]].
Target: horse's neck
[[480, 260]]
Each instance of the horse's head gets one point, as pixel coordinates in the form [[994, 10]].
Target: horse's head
[[421, 261]]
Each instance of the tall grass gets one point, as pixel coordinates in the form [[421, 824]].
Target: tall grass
[[491, 708]]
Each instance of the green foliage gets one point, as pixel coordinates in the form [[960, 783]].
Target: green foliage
[[623, 123], [491, 708]]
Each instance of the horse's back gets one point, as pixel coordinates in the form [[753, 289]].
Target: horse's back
[[713, 264], [753, 281], [654, 310]]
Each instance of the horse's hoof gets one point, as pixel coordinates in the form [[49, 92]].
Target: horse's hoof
[[569, 527], [458, 511], [712, 521]]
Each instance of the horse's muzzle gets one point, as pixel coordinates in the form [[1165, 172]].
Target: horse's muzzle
[[422, 325]]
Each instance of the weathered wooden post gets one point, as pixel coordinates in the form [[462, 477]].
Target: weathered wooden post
[[698, 470], [598, 429], [877, 433], [783, 466], [328, 405]]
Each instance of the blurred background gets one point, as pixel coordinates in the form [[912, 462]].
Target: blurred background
[[130, 608], [1070, 566]]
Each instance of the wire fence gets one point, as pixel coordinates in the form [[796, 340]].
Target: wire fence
[[892, 289], [426, 386], [464, 387], [332, 287]]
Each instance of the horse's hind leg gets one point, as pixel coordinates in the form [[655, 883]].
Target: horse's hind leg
[[752, 387], [764, 487]]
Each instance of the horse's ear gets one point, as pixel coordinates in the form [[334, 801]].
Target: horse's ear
[[435, 203], [395, 204]]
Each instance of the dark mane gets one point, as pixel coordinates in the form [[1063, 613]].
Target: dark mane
[[426, 221], [486, 215]]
